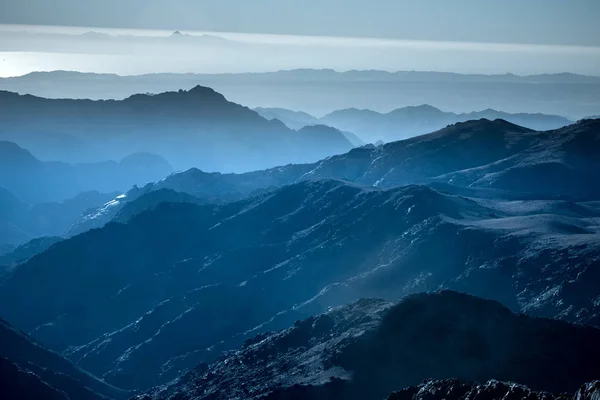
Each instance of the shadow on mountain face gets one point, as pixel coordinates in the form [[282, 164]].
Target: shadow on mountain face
[[370, 348], [31, 371]]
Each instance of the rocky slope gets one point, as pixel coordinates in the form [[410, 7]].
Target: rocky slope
[[31, 371], [490, 159], [370, 348], [261, 263], [454, 389]]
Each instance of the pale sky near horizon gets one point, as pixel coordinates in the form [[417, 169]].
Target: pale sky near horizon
[[465, 36], [567, 22]]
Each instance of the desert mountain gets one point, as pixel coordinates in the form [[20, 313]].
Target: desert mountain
[[260, 250], [370, 348], [198, 127], [261, 263], [475, 158]]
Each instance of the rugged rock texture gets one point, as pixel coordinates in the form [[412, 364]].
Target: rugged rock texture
[[371, 348], [454, 389], [262, 263], [489, 159]]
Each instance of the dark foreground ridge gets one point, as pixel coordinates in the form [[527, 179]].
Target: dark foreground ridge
[[30, 371], [453, 389], [372, 348]]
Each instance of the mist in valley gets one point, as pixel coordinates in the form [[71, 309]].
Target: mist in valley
[[337, 202]]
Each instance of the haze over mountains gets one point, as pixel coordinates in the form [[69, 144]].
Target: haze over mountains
[[207, 261], [405, 122], [299, 200], [35, 181], [319, 92], [198, 127]]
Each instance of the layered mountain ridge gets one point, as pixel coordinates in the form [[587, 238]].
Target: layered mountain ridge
[[321, 91], [213, 262], [198, 127], [35, 181], [406, 122]]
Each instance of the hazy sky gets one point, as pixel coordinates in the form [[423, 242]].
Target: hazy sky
[[466, 36], [571, 22]]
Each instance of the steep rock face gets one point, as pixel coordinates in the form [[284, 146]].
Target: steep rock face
[[198, 127], [371, 348], [30, 370]]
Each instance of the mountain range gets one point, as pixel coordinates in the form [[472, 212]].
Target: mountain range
[[370, 348], [322, 91], [288, 252], [215, 269], [20, 223], [406, 122], [198, 127], [486, 159], [34, 181]]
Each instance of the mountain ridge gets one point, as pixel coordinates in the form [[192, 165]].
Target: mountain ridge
[[205, 129], [370, 348]]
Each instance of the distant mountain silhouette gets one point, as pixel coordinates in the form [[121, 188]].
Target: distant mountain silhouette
[[407, 122], [299, 120], [321, 91], [31, 371], [34, 181], [19, 222], [455, 389], [293, 119], [198, 127]]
